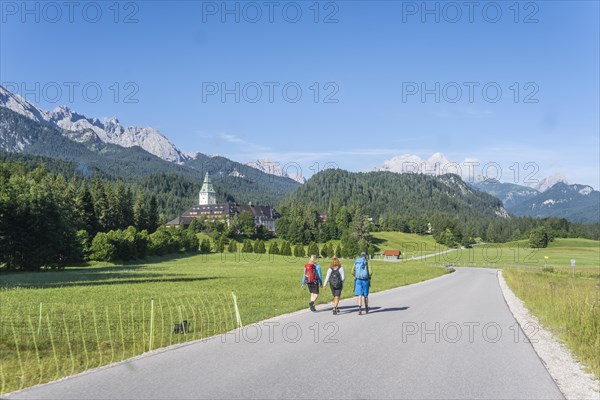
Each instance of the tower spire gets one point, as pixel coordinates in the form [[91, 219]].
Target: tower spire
[[207, 192]]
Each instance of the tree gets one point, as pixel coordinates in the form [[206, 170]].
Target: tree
[[338, 251], [191, 242], [259, 247], [299, 251], [274, 248], [85, 212], [103, 248], [162, 242], [247, 224], [313, 249], [140, 213], [538, 238], [247, 247], [325, 251], [85, 243], [286, 249], [220, 244], [205, 246], [447, 238], [232, 247], [152, 214]]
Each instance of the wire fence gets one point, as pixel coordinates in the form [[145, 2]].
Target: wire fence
[[46, 341]]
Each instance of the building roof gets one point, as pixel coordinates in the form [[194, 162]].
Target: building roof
[[207, 186], [180, 220], [392, 253], [259, 211]]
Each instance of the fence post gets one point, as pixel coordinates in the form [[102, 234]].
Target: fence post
[[237, 311], [40, 320], [151, 323]]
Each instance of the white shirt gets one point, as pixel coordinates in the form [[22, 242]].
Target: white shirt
[[341, 269]]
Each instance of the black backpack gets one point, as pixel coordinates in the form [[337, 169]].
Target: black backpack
[[335, 280]]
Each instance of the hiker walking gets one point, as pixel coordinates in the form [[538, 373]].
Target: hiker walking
[[362, 281], [335, 277], [312, 278]]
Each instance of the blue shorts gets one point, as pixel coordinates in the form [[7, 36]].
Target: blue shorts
[[361, 287]]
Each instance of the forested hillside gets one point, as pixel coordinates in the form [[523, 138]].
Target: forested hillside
[[444, 206], [386, 194]]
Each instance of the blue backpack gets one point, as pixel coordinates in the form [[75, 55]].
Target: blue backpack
[[361, 269]]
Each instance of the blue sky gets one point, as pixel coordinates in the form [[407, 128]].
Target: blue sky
[[369, 60]]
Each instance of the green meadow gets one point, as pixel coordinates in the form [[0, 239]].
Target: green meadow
[[566, 300], [58, 323]]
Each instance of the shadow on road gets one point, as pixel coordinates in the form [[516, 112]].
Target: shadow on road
[[372, 310]]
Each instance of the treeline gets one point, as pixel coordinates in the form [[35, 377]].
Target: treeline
[[391, 195], [46, 220], [305, 224], [336, 204]]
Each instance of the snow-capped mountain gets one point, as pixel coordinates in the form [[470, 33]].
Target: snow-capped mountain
[[469, 169], [549, 182], [577, 203], [21, 106], [82, 129], [275, 168]]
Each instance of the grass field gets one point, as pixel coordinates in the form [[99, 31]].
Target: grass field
[[565, 303], [519, 255], [57, 323], [569, 307], [409, 244]]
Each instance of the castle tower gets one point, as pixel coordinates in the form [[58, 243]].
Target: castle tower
[[207, 192]]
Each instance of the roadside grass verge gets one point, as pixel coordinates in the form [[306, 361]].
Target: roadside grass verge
[[567, 306], [58, 323]]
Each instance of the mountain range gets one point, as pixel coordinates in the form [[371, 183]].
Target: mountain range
[[126, 152], [82, 129], [111, 150], [469, 169], [577, 203], [553, 196]]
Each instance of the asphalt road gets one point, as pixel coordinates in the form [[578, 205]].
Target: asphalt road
[[452, 337]]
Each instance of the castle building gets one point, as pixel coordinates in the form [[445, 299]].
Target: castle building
[[210, 210], [207, 192]]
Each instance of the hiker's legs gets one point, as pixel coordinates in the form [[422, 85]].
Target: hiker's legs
[[360, 302], [366, 288], [336, 301], [314, 293]]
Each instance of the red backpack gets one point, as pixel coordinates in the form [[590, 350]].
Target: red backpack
[[310, 272]]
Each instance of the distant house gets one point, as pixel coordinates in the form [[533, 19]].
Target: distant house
[[209, 210], [391, 255]]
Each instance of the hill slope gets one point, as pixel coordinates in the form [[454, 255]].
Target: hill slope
[[388, 193]]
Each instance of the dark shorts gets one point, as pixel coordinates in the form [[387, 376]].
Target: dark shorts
[[336, 292], [313, 288]]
